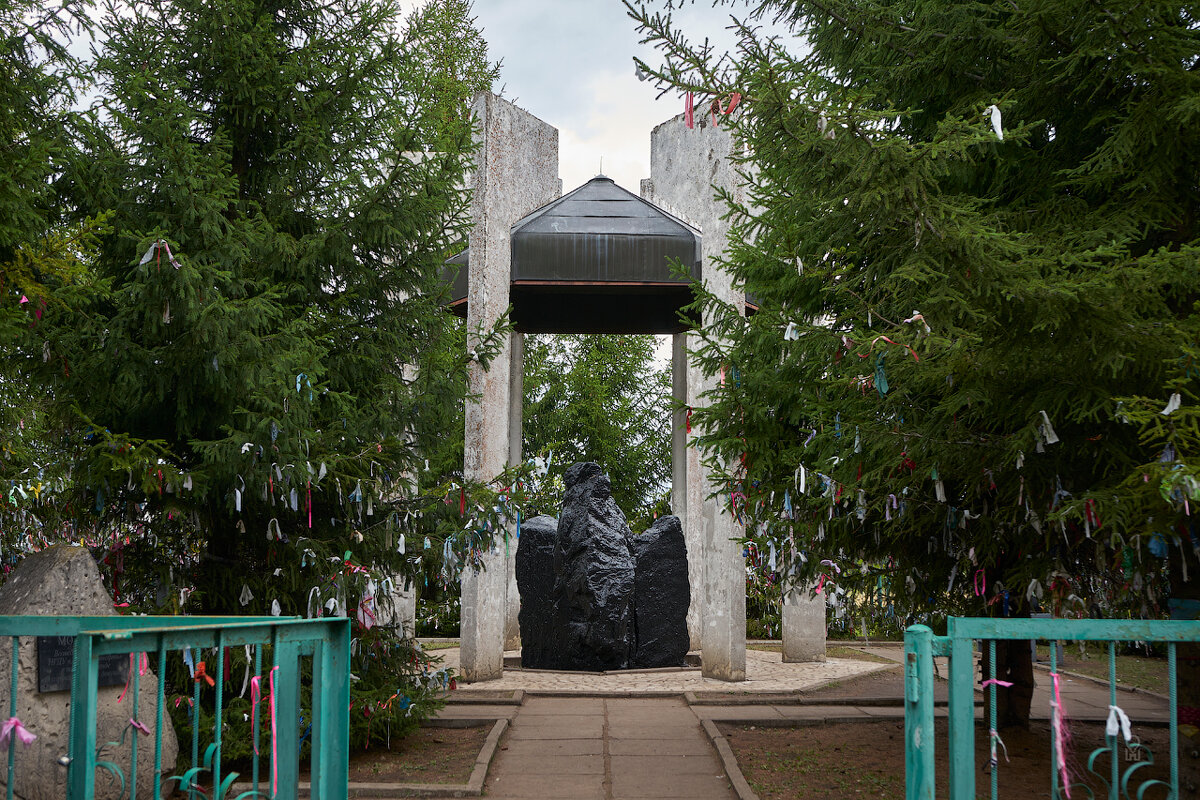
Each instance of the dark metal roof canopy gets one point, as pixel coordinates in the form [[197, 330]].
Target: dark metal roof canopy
[[596, 260]]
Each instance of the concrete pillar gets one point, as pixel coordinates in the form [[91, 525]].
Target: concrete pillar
[[516, 171], [679, 487], [803, 626], [405, 602], [516, 430], [685, 165]]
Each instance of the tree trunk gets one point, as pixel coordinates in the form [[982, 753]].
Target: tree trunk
[[1014, 664], [220, 566]]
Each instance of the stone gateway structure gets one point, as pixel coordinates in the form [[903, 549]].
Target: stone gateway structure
[[561, 262]]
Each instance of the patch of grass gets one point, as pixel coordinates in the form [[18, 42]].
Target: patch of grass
[[857, 655], [439, 645], [1141, 672], [867, 759]]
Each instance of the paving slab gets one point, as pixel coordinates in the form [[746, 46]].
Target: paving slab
[[660, 747], [677, 777], [749, 712], [563, 706], [562, 764], [578, 728], [453, 711], [506, 783], [649, 748], [559, 747]]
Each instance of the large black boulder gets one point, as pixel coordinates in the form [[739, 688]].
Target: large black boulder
[[535, 583], [593, 567], [661, 595]]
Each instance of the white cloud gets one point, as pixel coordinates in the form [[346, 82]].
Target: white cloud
[[614, 126]]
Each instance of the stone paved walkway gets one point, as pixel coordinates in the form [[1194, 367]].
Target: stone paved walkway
[[599, 748], [765, 672]]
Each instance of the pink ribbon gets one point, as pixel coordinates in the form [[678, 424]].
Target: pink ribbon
[[143, 666], [139, 726], [1060, 738], [13, 726], [890, 341], [980, 584], [688, 118], [994, 681], [255, 696]]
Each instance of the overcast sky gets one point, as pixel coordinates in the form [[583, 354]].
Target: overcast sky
[[570, 63]]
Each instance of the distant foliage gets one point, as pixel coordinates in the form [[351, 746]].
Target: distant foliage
[[225, 352], [602, 398]]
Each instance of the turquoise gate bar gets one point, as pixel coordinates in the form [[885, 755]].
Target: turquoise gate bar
[[921, 646], [291, 640]]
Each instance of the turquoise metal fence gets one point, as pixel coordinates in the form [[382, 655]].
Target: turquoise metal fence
[[291, 641], [921, 645]]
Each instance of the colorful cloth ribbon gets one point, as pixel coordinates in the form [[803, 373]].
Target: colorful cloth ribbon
[[201, 674], [142, 662], [1118, 722], [12, 726], [1058, 731]]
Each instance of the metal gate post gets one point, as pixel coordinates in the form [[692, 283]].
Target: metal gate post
[[918, 713]]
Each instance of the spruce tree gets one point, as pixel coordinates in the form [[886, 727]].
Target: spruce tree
[[247, 375], [972, 230], [45, 257], [595, 397]]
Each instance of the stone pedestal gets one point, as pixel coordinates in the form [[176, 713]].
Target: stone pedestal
[[516, 171], [405, 603], [803, 626]]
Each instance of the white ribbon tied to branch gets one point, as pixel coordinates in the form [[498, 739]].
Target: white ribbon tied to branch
[[997, 123], [1047, 430]]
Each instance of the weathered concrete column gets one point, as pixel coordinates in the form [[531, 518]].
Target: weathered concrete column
[[685, 165], [679, 487], [516, 431], [803, 626], [405, 603], [516, 171]]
